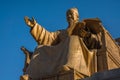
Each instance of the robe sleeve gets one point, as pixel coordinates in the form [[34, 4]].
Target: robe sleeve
[[42, 36]]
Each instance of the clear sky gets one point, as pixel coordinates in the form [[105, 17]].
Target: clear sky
[[51, 14]]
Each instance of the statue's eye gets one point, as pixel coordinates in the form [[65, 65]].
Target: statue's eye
[[71, 13]]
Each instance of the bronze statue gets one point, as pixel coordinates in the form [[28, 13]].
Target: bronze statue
[[73, 48]]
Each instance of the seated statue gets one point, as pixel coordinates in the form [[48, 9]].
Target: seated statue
[[71, 48]]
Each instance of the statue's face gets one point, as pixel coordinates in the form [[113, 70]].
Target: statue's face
[[72, 16]]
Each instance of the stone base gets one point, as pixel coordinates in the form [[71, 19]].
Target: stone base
[[113, 74], [67, 75]]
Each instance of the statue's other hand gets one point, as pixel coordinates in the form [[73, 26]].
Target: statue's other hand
[[83, 33], [29, 22]]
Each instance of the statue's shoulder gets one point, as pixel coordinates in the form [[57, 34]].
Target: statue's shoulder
[[92, 20], [94, 25]]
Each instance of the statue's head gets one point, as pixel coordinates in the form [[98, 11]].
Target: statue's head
[[72, 15]]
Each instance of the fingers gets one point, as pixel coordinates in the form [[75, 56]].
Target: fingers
[[30, 22], [26, 18], [83, 33], [33, 19]]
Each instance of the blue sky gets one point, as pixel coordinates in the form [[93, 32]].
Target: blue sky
[[51, 14]]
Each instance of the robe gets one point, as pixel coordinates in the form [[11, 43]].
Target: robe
[[56, 49]]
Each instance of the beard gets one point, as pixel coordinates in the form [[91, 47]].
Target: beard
[[71, 22]]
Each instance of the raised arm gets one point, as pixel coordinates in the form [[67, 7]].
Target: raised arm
[[40, 34]]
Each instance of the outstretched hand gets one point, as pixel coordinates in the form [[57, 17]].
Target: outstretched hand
[[30, 22]]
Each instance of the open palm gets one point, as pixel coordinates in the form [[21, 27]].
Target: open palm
[[29, 22]]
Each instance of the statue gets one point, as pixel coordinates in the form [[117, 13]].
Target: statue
[[63, 50]]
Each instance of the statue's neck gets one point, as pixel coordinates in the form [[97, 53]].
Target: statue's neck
[[72, 23]]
